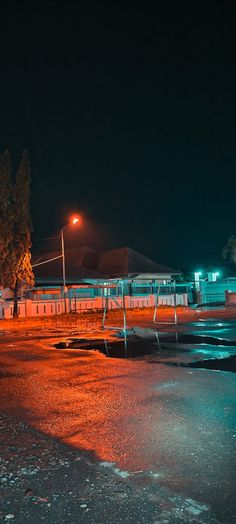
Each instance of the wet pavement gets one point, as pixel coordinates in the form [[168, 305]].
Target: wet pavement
[[144, 413], [194, 348]]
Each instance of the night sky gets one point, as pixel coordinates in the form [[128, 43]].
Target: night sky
[[128, 112]]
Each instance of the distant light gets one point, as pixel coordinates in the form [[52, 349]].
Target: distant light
[[197, 274], [75, 220], [215, 274]]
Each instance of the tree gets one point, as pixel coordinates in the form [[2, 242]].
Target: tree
[[16, 266], [6, 190], [229, 251]]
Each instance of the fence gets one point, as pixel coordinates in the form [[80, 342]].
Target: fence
[[58, 306]]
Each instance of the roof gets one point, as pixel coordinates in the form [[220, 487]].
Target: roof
[[83, 263], [79, 264], [127, 261]]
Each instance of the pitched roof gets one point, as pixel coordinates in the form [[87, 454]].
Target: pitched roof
[[127, 261], [80, 263], [84, 263]]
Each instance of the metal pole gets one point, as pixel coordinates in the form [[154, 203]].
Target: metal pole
[[75, 300], [175, 310], [63, 267], [155, 309], [106, 347], [126, 346], [156, 304], [158, 340], [104, 312], [124, 307]]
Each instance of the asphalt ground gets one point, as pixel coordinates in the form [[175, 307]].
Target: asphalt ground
[[89, 439]]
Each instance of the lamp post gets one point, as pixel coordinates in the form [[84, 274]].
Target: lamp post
[[75, 220], [197, 275]]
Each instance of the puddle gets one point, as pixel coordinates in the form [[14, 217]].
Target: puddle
[[125, 348], [196, 339], [169, 348], [221, 364]]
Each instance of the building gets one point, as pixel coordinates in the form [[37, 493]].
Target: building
[[214, 291], [93, 279]]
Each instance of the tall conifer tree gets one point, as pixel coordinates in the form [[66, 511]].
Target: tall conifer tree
[[16, 268], [6, 193]]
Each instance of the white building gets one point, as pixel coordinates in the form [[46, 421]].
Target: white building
[[91, 279]]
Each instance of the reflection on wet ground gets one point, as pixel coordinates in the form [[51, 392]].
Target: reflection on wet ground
[[174, 424], [222, 364], [125, 348], [191, 349]]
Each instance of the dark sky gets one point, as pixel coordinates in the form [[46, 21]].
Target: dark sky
[[128, 112]]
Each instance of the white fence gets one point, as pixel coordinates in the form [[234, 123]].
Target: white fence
[[41, 308]]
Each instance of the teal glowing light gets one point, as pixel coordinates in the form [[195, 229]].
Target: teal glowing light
[[215, 274], [197, 275]]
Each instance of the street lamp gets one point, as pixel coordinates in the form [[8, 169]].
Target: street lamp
[[212, 276], [74, 220], [197, 275]]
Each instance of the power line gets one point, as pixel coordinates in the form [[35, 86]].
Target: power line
[[47, 238], [46, 261]]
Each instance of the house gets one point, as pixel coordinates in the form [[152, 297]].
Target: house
[[84, 265], [93, 278]]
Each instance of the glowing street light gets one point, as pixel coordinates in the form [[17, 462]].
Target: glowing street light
[[212, 276], [197, 275], [74, 221]]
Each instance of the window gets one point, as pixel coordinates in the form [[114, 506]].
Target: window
[[107, 290], [37, 310], [44, 309]]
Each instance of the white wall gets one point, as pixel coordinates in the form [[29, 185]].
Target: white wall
[[38, 308]]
